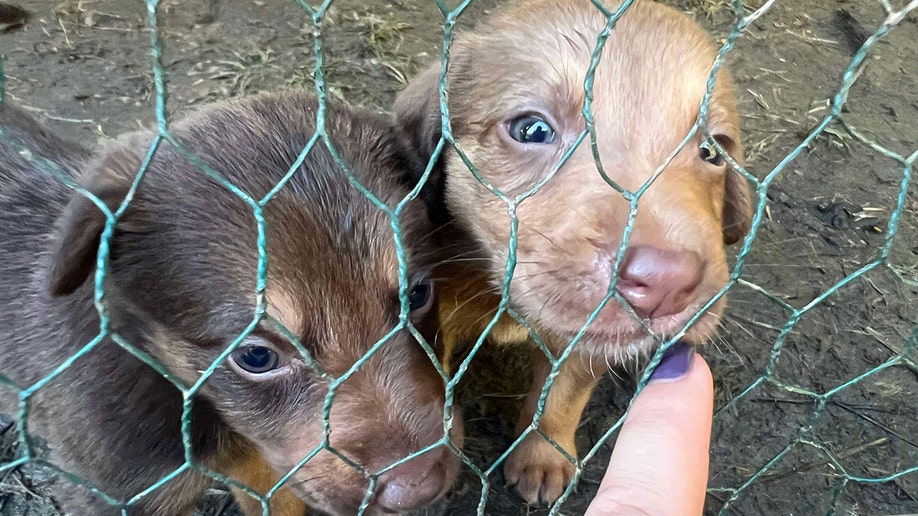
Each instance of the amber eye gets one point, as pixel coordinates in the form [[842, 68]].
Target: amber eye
[[708, 152]]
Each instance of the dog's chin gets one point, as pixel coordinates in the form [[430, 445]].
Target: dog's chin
[[329, 504], [615, 338], [326, 494], [335, 508], [332, 501]]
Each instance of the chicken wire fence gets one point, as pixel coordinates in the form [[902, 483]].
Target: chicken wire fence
[[798, 436]]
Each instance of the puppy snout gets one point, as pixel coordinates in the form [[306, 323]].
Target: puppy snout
[[415, 483], [659, 282]]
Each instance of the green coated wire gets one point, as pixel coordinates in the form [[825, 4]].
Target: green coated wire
[[447, 143]]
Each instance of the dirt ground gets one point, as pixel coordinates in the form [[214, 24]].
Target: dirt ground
[[84, 68]]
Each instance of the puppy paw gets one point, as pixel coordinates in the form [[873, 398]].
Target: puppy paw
[[539, 471]]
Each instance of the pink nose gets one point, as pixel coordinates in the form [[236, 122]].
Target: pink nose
[[659, 282], [415, 483]]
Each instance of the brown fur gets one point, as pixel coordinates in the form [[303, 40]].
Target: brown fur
[[181, 287], [532, 58], [251, 470]]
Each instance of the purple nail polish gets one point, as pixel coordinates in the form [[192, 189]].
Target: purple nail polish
[[676, 362]]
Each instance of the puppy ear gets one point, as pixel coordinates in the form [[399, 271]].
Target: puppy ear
[[80, 225], [737, 215], [419, 128], [737, 211]]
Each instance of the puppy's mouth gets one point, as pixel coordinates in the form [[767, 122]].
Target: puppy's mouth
[[337, 502], [617, 334], [332, 503], [650, 306], [335, 488], [661, 327]]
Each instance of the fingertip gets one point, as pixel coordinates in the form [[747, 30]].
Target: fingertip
[[660, 461], [701, 372]]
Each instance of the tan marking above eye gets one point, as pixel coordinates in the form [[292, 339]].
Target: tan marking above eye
[[281, 306]]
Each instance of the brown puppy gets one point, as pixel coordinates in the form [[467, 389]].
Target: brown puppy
[[181, 288], [515, 99]]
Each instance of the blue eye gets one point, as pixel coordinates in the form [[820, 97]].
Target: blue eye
[[531, 129], [256, 359], [420, 295], [709, 153]]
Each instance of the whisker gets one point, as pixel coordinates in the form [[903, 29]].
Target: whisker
[[543, 235]]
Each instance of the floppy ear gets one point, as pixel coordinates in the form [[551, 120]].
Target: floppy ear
[[737, 211], [80, 225], [737, 215], [418, 124]]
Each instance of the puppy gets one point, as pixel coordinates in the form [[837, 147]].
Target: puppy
[[515, 98], [181, 287]]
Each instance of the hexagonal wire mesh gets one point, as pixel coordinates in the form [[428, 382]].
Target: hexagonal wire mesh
[[317, 15]]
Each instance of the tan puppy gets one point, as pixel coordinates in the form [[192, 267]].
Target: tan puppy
[[515, 99]]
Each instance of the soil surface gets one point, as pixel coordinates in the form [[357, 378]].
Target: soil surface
[[84, 69]]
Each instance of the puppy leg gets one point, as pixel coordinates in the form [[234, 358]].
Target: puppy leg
[[254, 472], [538, 469]]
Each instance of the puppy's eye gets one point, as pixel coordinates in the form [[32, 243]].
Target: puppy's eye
[[420, 296], [256, 359], [531, 129], [709, 153]]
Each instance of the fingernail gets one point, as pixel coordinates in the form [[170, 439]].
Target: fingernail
[[676, 362]]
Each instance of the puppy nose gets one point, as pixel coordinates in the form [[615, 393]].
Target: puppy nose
[[413, 484], [659, 282]]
